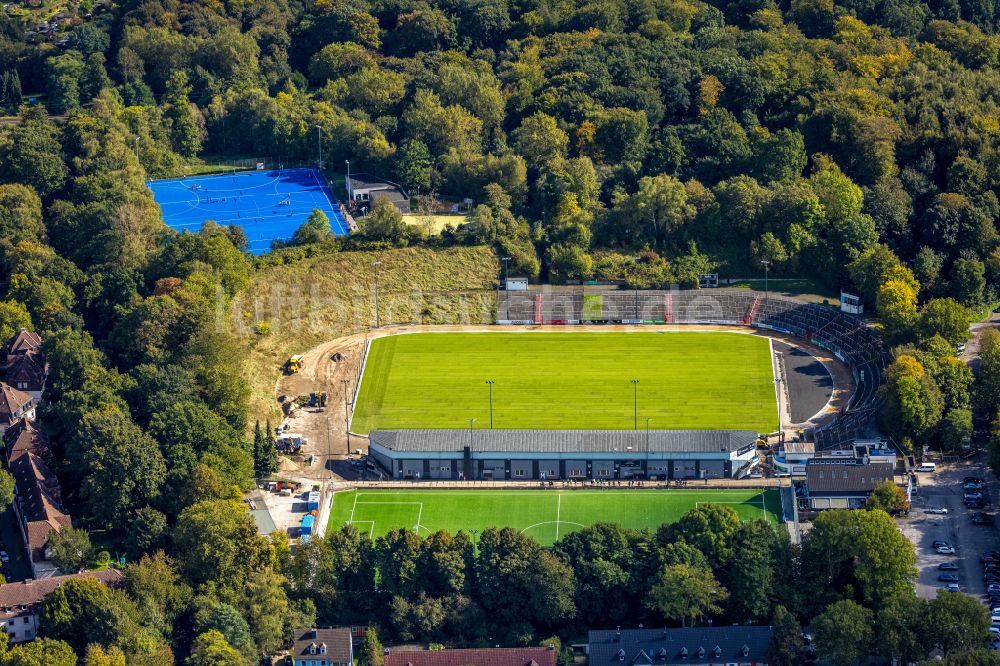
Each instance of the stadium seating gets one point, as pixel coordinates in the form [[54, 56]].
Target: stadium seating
[[849, 337]]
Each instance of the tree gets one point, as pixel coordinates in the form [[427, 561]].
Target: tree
[[211, 649], [750, 576], [7, 487], [371, 652], [540, 140], [126, 470], [896, 305], [185, 134], [844, 633], [415, 165], [956, 623], [212, 615], [20, 214], [684, 593], [33, 155], [384, 222], [913, 403], [786, 640], [315, 229], [874, 268], [98, 656], [710, 528], [900, 623], [956, 429], [217, 541], [40, 652], [888, 497], [71, 549], [62, 76], [968, 281], [945, 317]]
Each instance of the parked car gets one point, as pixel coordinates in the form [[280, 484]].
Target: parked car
[[939, 544], [948, 566], [975, 504], [972, 486], [973, 496], [945, 550], [982, 519], [989, 552], [951, 587], [993, 588], [4, 557], [948, 578], [936, 510]]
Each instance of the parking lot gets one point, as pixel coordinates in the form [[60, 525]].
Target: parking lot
[[943, 488]]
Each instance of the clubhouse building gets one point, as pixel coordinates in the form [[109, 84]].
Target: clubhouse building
[[562, 454]]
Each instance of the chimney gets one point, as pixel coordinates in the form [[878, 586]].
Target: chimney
[[552, 648]]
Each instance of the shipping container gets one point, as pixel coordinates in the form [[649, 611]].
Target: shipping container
[[312, 501], [307, 525]]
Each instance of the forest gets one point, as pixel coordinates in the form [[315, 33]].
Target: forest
[[852, 143]]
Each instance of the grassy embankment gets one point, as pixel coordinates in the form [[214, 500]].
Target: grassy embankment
[[314, 300]]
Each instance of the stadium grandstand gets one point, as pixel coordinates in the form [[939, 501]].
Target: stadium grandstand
[[847, 336]]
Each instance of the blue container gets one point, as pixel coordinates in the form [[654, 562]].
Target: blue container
[[307, 525], [313, 501]]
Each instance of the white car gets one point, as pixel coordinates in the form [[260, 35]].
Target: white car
[[937, 510], [946, 550], [4, 557]]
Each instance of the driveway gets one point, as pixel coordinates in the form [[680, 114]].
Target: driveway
[[10, 540], [944, 489]]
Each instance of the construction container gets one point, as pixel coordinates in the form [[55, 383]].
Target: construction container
[[312, 501], [307, 525]]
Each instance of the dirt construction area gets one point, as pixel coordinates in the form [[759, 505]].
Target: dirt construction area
[[943, 489], [335, 367]]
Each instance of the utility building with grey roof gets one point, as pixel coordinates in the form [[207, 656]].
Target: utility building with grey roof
[[562, 454]]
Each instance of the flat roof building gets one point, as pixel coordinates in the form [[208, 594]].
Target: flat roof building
[[562, 454]]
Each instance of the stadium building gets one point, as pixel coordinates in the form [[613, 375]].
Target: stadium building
[[563, 454]]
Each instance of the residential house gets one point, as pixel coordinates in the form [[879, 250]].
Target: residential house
[[842, 484], [26, 367], [14, 406], [37, 494], [20, 602], [331, 646], [533, 656], [724, 646], [24, 342]]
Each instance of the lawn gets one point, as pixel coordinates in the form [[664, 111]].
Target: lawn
[[544, 515], [579, 380], [434, 224]]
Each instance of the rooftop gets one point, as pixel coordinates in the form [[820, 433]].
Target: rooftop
[[11, 402], [537, 656], [31, 592], [565, 441], [335, 640], [825, 475], [23, 342], [697, 645]]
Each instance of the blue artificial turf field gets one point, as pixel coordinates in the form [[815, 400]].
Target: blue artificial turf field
[[269, 205]]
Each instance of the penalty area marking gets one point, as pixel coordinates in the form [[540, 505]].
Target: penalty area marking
[[553, 522]]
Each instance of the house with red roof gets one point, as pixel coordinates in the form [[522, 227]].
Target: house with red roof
[[15, 405], [37, 493]]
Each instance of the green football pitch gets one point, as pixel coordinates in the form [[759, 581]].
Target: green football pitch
[[687, 380], [544, 515]]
